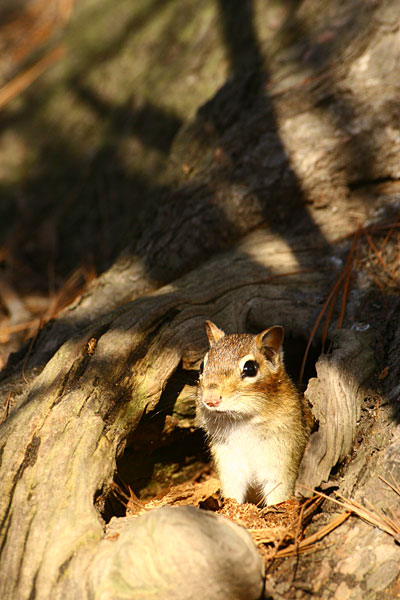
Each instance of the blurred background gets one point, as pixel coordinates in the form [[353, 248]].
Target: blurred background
[[92, 94]]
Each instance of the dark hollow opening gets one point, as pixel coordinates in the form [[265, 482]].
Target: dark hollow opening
[[294, 349], [164, 450]]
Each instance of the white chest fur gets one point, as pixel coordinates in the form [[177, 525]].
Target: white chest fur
[[253, 460]]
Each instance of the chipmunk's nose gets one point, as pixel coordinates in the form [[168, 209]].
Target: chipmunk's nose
[[212, 398]]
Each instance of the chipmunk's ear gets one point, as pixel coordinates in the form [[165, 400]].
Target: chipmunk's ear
[[270, 343], [214, 334]]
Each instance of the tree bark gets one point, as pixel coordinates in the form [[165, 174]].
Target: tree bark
[[274, 172]]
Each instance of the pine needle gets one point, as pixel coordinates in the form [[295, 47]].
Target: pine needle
[[17, 85], [371, 515], [309, 542]]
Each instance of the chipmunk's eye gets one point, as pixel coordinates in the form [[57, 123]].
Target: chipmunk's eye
[[201, 368], [250, 368]]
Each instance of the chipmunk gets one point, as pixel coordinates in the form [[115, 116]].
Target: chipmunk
[[252, 414]]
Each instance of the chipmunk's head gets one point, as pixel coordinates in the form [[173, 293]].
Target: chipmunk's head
[[241, 371]]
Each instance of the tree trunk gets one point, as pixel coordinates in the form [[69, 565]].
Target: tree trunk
[[299, 148]]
